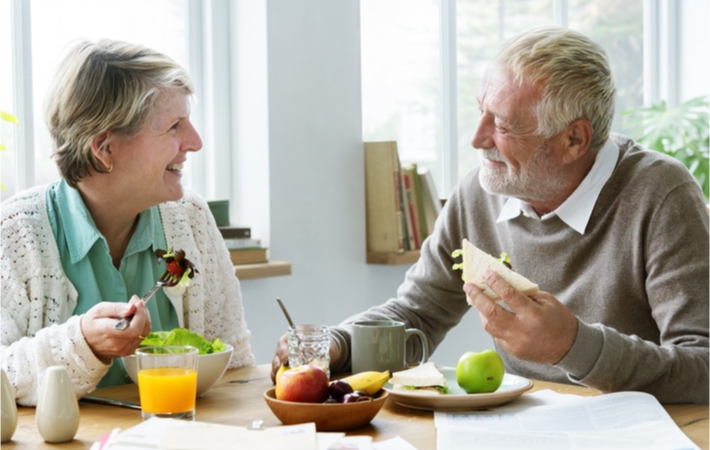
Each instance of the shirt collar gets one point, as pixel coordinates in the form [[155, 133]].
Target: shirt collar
[[576, 210], [81, 232]]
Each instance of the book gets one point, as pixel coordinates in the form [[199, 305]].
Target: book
[[382, 197], [411, 205], [248, 255], [430, 198], [235, 243], [231, 232], [424, 229], [410, 243]]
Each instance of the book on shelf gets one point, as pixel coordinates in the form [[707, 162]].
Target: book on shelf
[[430, 198], [248, 255], [424, 229], [383, 198], [235, 243], [411, 205], [410, 242], [234, 232]]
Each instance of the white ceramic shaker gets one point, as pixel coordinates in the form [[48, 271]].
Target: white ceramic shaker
[[9, 409], [57, 413]]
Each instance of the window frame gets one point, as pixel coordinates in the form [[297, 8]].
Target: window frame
[[207, 45], [209, 64], [660, 71]]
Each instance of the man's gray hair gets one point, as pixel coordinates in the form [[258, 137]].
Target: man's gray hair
[[575, 76]]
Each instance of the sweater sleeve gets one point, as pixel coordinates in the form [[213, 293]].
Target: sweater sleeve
[[431, 298], [676, 370], [37, 301]]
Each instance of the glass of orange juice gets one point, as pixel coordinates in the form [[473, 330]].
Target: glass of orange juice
[[167, 381]]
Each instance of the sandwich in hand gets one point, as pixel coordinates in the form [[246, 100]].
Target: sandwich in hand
[[476, 261], [423, 379]]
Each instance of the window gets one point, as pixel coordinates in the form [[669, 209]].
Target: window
[[409, 47], [161, 24]]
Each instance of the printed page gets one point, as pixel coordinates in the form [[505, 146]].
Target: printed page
[[626, 420]]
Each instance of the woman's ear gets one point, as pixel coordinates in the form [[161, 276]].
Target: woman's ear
[[579, 138], [101, 149]]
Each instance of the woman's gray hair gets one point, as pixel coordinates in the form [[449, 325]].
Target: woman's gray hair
[[575, 76], [100, 87]]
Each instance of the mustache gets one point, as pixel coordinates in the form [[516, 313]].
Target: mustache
[[493, 154]]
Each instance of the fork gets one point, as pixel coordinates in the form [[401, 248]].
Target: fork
[[167, 279]]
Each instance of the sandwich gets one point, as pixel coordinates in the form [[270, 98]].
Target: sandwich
[[423, 379], [476, 261]]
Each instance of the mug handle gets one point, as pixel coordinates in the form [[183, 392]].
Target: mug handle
[[409, 332]]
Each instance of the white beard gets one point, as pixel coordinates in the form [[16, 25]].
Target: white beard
[[539, 179]]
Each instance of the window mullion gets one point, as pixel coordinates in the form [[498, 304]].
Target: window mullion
[[195, 30], [651, 51], [561, 15], [448, 82], [23, 95]]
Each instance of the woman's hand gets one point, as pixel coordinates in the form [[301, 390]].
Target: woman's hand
[[97, 325]]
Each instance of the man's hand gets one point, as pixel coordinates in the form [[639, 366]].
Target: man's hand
[[537, 328], [97, 325], [281, 354]]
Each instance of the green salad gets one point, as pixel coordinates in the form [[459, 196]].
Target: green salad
[[183, 336]]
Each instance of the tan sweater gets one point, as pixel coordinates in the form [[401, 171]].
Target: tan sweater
[[637, 279]]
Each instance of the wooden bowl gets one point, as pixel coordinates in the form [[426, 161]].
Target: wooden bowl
[[327, 416]]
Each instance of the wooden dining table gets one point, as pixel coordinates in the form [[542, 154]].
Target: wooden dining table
[[237, 399]]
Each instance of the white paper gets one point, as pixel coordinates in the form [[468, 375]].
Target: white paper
[[396, 443], [624, 420], [172, 434]]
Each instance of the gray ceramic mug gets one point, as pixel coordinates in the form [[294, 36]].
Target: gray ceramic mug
[[380, 345]]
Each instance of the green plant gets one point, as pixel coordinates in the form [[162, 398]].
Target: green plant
[[680, 132]]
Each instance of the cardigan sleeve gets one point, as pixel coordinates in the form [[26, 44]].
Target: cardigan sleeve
[[37, 300]]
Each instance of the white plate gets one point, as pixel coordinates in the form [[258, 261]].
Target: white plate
[[457, 399]]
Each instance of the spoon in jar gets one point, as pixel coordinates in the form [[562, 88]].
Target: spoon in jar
[[290, 322]]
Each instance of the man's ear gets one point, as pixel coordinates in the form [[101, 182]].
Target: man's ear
[[101, 149], [578, 138]]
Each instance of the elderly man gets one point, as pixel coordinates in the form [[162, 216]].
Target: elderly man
[[616, 236]]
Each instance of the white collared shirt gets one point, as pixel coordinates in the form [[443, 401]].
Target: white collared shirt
[[576, 210]]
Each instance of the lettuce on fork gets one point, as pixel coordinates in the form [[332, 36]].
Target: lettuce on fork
[[183, 336]]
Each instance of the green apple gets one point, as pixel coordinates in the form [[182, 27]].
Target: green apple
[[480, 372]]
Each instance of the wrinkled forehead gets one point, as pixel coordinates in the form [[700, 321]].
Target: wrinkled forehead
[[500, 85]]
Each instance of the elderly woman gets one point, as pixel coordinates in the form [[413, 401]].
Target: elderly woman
[[76, 252]]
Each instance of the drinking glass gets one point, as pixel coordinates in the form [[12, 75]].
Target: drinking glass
[[309, 344], [167, 381]]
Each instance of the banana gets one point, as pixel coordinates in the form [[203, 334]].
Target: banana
[[284, 367], [370, 381]]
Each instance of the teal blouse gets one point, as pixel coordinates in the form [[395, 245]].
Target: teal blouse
[[87, 263]]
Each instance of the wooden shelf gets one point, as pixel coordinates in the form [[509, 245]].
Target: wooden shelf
[[262, 270], [393, 259]]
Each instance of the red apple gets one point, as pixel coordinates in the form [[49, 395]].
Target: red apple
[[306, 384]]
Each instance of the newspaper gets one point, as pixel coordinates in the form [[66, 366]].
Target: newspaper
[[623, 420]]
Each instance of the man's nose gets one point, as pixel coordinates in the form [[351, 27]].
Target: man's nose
[[483, 136]]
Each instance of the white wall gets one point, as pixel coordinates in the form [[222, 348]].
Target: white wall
[[308, 167]]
